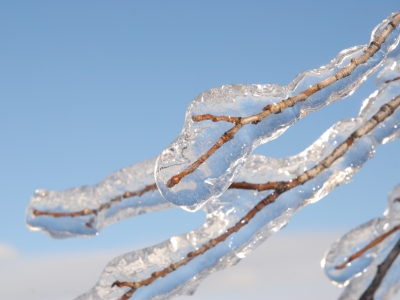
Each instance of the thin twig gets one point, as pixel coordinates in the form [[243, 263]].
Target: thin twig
[[372, 244], [383, 268], [278, 189], [284, 104], [95, 211], [254, 186], [391, 80], [213, 118], [139, 193]]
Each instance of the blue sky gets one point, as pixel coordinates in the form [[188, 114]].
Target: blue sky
[[87, 88]]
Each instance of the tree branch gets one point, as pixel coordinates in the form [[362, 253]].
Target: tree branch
[[95, 211], [284, 104], [372, 244], [394, 79], [278, 189], [383, 268]]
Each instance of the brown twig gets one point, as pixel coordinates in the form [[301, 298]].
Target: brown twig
[[284, 104], [88, 211], [148, 188], [394, 79], [213, 118], [372, 244], [254, 186], [278, 189], [383, 268]]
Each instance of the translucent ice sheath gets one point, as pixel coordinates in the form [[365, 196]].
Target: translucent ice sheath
[[124, 277], [361, 271], [187, 176], [84, 211]]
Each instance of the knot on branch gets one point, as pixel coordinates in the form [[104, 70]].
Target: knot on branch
[[227, 136], [274, 108], [374, 43], [355, 61], [282, 187], [387, 109], [289, 102]]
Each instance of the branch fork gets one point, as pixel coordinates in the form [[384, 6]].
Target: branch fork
[[277, 108], [278, 188]]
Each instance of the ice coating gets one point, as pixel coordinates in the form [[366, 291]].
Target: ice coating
[[216, 173], [222, 213], [359, 273], [85, 210]]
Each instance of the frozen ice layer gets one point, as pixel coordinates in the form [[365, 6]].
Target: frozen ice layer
[[215, 173], [182, 271], [173, 268], [85, 210], [358, 273]]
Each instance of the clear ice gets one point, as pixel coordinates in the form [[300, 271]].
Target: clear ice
[[214, 176], [84, 211], [358, 274], [223, 212], [100, 205]]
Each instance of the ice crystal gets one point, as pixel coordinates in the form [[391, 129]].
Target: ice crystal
[[215, 174]]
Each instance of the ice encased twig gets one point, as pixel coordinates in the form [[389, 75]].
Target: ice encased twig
[[358, 274], [105, 198], [215, 175], [223, 212]]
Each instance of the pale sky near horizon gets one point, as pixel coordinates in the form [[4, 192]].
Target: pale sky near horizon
[[87, 88], [272, 272]]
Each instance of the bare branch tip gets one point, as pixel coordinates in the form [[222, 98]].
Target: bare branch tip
[[118, 283], [342, 266], [173, 181], [196, 118]]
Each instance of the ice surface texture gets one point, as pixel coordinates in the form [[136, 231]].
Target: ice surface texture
[[84, 211], [217, 172], [87, 209], [225, 212], [361, 271]]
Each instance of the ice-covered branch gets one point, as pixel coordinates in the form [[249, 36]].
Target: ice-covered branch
[[372, 244], [109, 199], [267, 192], [383, 269], [243, 216], [366, 259], [203, 162], [84, 211], [281, 188]]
